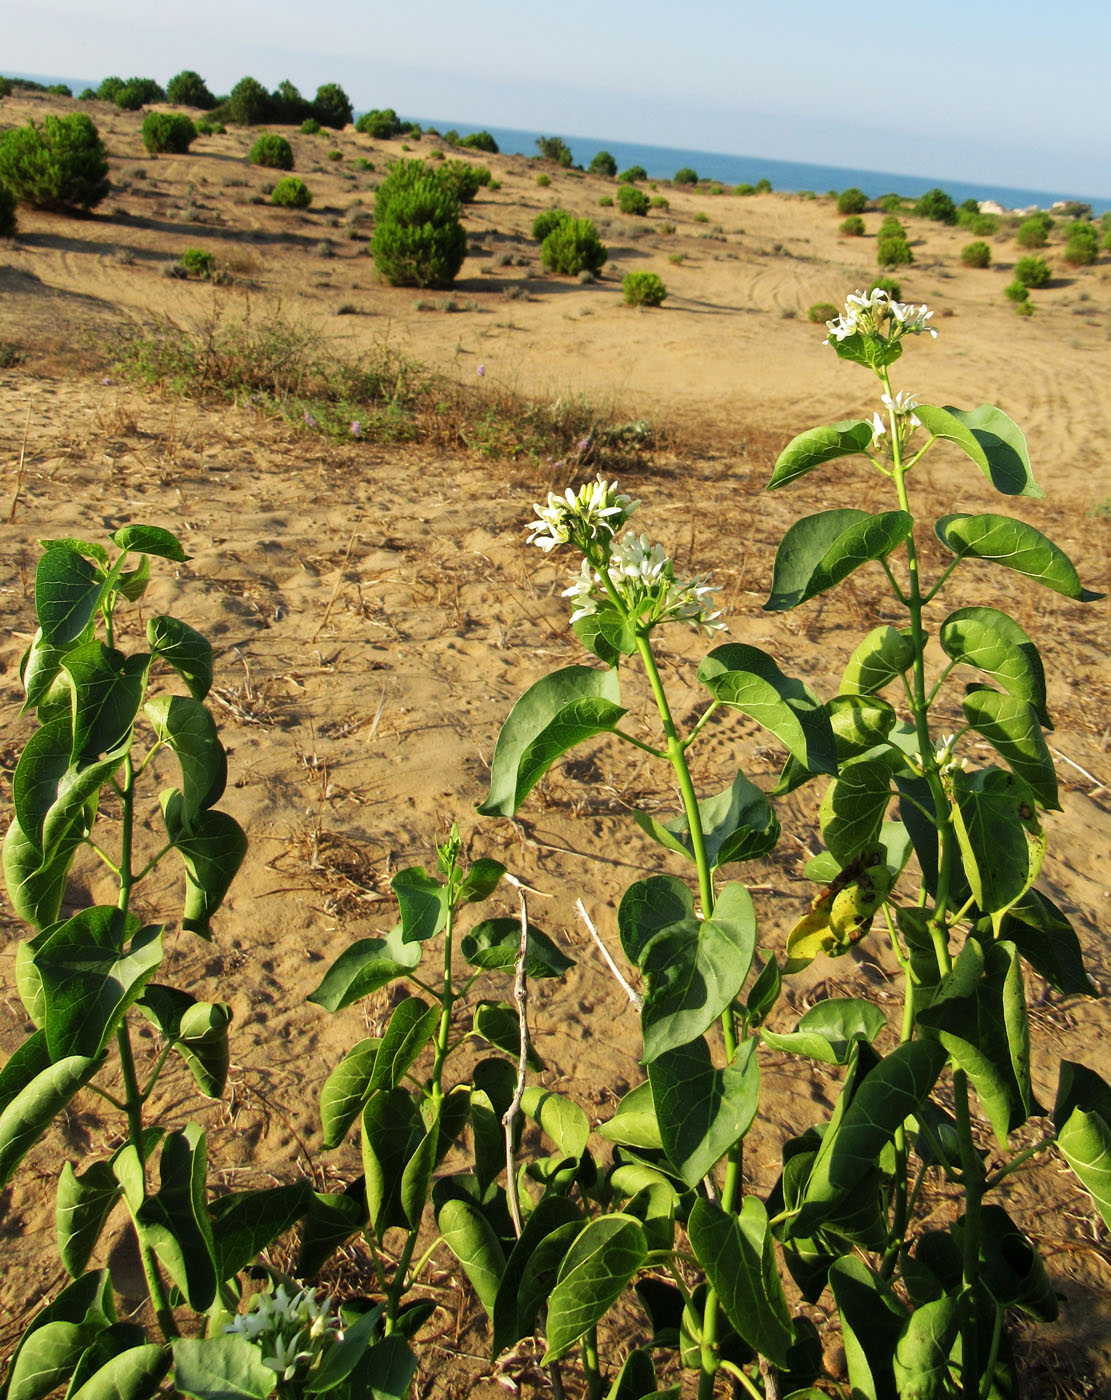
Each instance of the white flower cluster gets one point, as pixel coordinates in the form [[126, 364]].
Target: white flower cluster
[[291, 1331], [596, 513], [644, 578], [902, 406], [875, 314]]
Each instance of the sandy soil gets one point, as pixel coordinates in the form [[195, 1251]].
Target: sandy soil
[[375, 612]]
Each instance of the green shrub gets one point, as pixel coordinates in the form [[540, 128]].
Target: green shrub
[[1032, 272], [382, 124], [189, 89], [272, 151], [211, 128], [310, 126], [291, 193], [659, 202], [335, 155], [984, 224], [543, 180], [603, 164], [606, 202], [7, 212], [547, 220], [480, 141], [61, 165], [745, 189], [684, 176], [249, 103], [893, 250], [891, 203], [462, 179], [763, 186], [851, 201], [643, 289], [1032, 234], [976, 255], [60, 90], [967, 210], [821, 312], [701, 218], [852, 227], [633, 174], [630, 200], [1081, 244], [935, 204], [137, 92], [1016, 291], [85, 95], [418, 240], [571, 246], [168, 131], [892, 225], [332, 107], [108, 88], [554, 148], [196, 262], [886, 284], [717, 189]]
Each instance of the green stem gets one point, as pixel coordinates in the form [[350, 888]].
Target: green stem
[[134, 1105], [1018, 1160], [970, 1265], [590, 1365], [697, 730], [127, 834], [447, 1002], [639, 744], [397, 1285]]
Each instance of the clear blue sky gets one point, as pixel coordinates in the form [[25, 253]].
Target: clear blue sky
[[1004, 91]]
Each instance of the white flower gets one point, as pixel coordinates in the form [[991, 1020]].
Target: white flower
[[583, 592], [287, 1356], [635, 558], [879, 428], [597, 512], [874, 314]]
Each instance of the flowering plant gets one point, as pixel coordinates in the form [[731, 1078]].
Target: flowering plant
[[943, 856]]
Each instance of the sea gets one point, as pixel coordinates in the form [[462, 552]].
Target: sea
[[661, 163]]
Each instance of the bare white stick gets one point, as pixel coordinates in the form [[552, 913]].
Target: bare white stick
[[634, 997], [1099, 787], [509, 1118]]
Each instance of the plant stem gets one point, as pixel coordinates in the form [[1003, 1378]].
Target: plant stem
[[447, 1002], [590, 1365], [676, 752], [397, 1284], [155, 1285]]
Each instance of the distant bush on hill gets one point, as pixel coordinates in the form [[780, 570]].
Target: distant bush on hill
[[851, 201], [249, 103], [167, 132], [893, 250], [763, 186], [1033, 233], [291, 193], [462, 179], [886, 284], [61, 165], [630, 200], [572, 246], [890, 203], [418, 240], [138, 92], [603, 164], [937, 205], [976, 255], [60, 90], [643, 289], [310, 126], [821, 312], [1032, 272], [634, 173], [554, 148], [685, 176], [381, 123], [547, 220], [1081, 244], [332, 107], [480, 141], [189, 89], [852, 227], [272, 151]]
